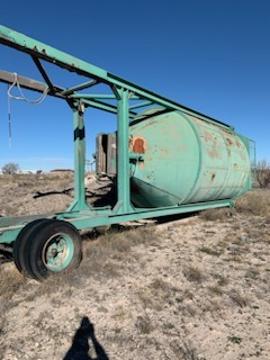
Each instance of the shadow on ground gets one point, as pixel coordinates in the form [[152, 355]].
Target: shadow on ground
[[5, 254], [82, 342], [171, 218]]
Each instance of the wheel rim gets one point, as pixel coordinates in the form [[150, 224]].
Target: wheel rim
[[58, 252]]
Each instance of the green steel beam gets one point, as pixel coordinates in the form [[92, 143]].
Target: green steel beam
[[89, 220], [105, 107], [137, 214], [100, 105], [141, 105], [36, 48], [79, 202], [44, 74], [93, 96], [79, 87], [123, 177], [30, 84]]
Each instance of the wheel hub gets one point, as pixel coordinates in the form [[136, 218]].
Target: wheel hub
[[58, 252]]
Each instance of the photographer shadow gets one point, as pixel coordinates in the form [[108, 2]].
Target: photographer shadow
[[80, 347]]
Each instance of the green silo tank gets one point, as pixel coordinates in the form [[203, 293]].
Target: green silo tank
[[186, 160]]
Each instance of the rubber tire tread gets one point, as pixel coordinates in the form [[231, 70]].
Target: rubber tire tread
[[37, 241], [20, 244]]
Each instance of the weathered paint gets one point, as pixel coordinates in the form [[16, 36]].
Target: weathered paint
[[175, 164], [88, 220], [187, 160], [45, 52]]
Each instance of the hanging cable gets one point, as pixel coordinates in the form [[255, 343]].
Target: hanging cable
[[22, 97], [9, 122]]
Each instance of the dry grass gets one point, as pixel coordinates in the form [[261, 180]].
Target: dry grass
[[154, 293], [235, 339], [215, 289], [105, 257], [10, 282], [193, 274], [26, 186], [222, 280], [210, 251], [217, 214], [144, 324], [256, 202], [238, 298], [157, 294], [185, 351], [108, 252]]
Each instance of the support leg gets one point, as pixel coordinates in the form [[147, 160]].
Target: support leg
[[123, 167], [79, 202]]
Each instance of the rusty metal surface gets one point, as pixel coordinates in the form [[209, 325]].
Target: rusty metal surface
[[187, 160], [101, 153]]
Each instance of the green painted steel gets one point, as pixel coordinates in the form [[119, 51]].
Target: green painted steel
[[178, 162], [186, 160], [88, 219], [58, 252], [40, 50], [123, 184], [79, 202]]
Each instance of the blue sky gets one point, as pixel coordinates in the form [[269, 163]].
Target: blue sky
[[213, 56]]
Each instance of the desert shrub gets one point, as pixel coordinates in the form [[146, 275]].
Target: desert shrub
[[210, 251], [144, 324], [262, 174], [235, 339], [185, 351], [237, 298], [193, 274], [10, 282], [216, 214], [255, 202], [10, 168], [216, 290]]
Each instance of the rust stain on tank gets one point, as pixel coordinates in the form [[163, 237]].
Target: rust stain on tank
[[213, 153], [138, 145], [141, 165], [208, 136], [238, 144], [229, 141]]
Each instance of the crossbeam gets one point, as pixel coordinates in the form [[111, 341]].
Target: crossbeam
[[34, 85], [40, 50], [44, 74], [25, 82], [82, 86]]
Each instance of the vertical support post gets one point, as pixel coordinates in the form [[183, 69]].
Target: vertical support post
[[123, 176], [79, 202]]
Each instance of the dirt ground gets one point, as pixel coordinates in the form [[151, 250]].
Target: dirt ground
[[194, 289]]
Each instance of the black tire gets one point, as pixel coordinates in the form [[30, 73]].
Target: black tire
[[39, 241], [20, 244]]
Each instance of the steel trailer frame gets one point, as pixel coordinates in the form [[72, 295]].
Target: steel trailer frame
[[129, 98]]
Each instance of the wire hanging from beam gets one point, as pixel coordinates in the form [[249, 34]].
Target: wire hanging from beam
[[21, 97]]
